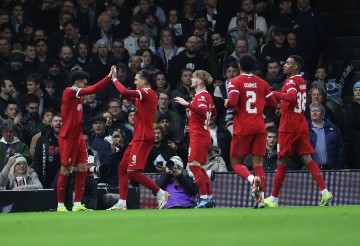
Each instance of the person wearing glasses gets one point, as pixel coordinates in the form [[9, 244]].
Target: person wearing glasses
[[17, 175]]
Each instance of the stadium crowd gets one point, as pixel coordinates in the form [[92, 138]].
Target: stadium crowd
[[43, 41]]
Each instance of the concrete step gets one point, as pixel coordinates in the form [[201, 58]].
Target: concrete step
[[342, 54], [343, 42], [342, 30]]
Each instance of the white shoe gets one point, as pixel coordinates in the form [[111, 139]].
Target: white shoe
[[163, 200], [117, 207]]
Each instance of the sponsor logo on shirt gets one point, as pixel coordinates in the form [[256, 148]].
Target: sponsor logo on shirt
[[79, 107]]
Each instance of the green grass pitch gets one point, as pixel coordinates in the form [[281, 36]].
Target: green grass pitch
[[221, 226]]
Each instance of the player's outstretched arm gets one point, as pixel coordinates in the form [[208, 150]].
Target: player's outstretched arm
[[192, 107], [290, 96], [128, 94], [100, 85], [271, 101]]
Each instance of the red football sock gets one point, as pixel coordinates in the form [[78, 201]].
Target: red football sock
[[61, 187], [199, 179], [259, 171], [316, 174], [241, 170], [143, 180], [279, 179], [208, 182], [79, 185], [123, 181]]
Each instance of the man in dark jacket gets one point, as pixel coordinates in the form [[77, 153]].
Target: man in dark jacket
[[47, 153], [326, 140]]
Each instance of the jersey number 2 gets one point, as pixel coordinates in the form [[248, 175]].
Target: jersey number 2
[[251, 95]]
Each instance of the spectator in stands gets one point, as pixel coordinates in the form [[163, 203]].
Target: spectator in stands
[[241, 47], [151, 27], [178, 29], [42, 55], [104, 29], [34, 86], [46, 159], [101, 62], [311, 37], [46, 117], [56, 37], [242, 32], [66, 55], [292, 40], [317, 95], [215, 162], [31, 118], [119, 51], [147, 6], [10, 144], [127, 105], [109, 120], [189, 58], [160, 153], [221, 91], [13, 113], [274, 75], [270, 160], [219, 51], [17, 175], [100, 141], [15, 70], [164, 107], [287, 18], [177, 182], [6, 90], [5, 49], [115, 108], [353, 129], [160, 82], [150, 63], [137, 30], [182, 90], [277, 48], [85, 16], [167, 49], [257, 25], [326, 140], [221, 138], [91, 108], [321, 75], [334, 103], [201, 28]]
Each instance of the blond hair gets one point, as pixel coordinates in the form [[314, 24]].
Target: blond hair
[[203, 76]]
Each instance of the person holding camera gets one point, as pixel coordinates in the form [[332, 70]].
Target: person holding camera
[[177, 182]]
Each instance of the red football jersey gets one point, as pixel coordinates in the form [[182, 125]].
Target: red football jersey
[[292, 113], [72, 108], [145, 114], [248, 113], [198, 124]]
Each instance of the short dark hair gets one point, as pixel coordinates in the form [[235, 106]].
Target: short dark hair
[[298, 60], [247, 62], [48, 110], [271, 129], [144, 74], [31, 98], [78, 75]]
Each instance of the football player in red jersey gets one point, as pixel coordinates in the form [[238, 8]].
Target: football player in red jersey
[[294, 131], [248, 95], [71, 141], [136, 155], [201, 108]]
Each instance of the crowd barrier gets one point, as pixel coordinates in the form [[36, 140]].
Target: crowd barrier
[[299, 189], [229, 191]]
